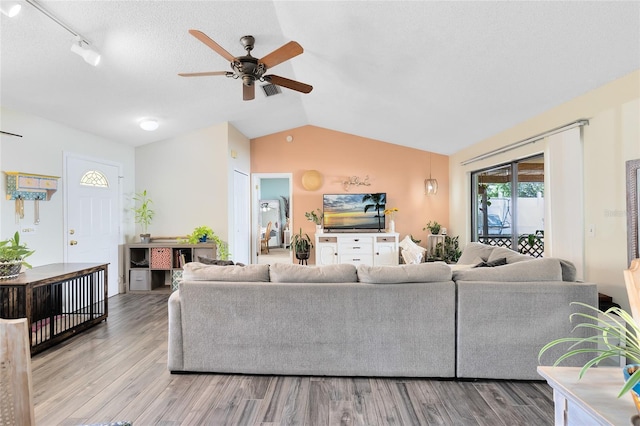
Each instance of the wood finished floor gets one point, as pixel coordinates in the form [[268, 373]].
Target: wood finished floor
[[117, 371]]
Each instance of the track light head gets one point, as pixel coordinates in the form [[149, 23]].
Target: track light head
[[90, 56], [10, 8]]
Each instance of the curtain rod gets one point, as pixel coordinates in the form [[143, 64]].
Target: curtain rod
[[532, 139]]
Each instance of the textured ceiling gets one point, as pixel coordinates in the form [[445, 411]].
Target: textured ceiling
[[437, 76]]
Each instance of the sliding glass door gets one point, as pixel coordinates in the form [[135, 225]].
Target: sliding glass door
[[508, 202]]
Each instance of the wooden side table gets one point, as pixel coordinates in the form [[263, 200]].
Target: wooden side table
[[592, 400]]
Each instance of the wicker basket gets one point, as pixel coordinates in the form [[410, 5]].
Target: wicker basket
[[10, 270]]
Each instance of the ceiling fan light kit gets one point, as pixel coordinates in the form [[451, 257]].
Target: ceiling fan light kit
[[250, 69]]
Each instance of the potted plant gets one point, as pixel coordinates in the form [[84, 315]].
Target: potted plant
[[314, 217], [433, 227], [531, 243], [617, 335], [143, 214], [12, 255], [201, 234], [301, 245], [449, 251]]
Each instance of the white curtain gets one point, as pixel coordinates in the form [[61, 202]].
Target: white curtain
[[564, 198]]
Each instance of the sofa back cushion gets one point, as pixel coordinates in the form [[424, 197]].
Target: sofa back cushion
[[195, 271], [531, 270], [510, 255], [415, 273], [293, 273], [474, 250]]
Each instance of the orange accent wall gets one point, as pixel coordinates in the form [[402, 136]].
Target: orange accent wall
[[399, 171]]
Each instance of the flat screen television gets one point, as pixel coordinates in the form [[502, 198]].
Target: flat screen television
[[353, 212]]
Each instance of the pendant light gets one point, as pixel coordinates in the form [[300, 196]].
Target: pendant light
[[430, 185]]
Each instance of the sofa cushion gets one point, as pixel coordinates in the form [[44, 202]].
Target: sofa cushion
[[418, 273], [195, 271], [293, 273], [531, 270], [568, 270], [510, 255], [218, 262], [472, 251], [493, 263]]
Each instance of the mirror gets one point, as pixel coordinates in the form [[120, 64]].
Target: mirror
[[633, 201], [270, 212]]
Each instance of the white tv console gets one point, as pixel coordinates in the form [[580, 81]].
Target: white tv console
[[368, 248]]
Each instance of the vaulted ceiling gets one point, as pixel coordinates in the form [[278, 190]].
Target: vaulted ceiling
[[437, 76]]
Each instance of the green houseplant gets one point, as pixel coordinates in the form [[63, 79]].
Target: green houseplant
[[301, 245], [617, 335], [12, 255], [433, 227], [203, 233], [314, 217], [449, 251], [143, 214]]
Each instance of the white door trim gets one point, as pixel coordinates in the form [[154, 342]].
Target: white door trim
[[256, 179]]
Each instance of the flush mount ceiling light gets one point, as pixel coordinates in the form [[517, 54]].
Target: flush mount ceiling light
[[10, 8], [80, 45], [149, 124]]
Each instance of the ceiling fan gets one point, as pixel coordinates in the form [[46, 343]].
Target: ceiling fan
[[251, 69]]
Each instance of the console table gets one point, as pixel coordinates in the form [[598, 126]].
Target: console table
[[58, 300], [368, 248], [591, 400]]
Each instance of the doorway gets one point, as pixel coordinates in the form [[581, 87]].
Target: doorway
[[272, 202], [92, 214]]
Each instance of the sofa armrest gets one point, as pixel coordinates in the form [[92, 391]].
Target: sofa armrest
[[503, 325], [175, 361]]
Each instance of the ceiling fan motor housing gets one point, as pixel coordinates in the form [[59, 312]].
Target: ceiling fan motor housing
[[248, 69]]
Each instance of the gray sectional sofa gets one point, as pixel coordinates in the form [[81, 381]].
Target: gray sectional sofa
[[423, 320]]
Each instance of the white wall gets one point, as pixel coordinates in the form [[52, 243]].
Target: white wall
[[189, 179], [40, 151], [611, 138]]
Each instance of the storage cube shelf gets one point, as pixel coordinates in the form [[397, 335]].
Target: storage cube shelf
[[157, 266]]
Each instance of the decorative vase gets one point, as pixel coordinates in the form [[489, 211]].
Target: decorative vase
[[392, 225], [10, 270], [319, 229], [203, 239], [145, 238]]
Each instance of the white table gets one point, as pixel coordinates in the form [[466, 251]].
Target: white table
[[591, 400]]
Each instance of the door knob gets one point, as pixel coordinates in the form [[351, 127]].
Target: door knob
[[73, 242]]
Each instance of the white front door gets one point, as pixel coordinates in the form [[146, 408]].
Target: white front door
[[92, 217]]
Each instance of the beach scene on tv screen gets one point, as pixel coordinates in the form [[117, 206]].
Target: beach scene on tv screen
[[347, 211]]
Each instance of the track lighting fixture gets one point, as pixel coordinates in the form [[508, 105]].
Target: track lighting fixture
[[10, 8], [80, 45], [89, 55]]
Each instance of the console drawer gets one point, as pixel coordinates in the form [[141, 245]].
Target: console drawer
[[357, 259], [355, 248]]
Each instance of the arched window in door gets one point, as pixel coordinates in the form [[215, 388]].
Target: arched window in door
[[94, 178]]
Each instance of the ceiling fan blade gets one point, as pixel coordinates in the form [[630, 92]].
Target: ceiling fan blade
[[248, 92], [204, 74], [212, 44], [281, 54], [289, 84]]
